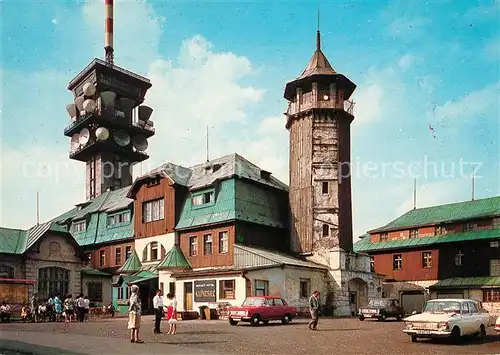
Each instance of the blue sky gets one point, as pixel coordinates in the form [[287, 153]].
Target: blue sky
[[427, 75]]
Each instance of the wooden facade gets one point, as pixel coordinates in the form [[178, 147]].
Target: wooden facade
[[215, 258], [156, 189], [105, 257], [432, 230], [412, 268]]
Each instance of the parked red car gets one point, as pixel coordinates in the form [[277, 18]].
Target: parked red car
[[262, 309]]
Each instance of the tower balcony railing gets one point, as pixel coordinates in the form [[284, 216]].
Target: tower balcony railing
[[345, 105], [105, 119]]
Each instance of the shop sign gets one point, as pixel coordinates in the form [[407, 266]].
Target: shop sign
[[205, 291]]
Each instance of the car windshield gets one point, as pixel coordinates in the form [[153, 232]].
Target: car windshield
[[254, 302], [379, 302], [442, 307]]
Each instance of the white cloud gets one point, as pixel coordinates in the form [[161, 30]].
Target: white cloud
[[54, 21], [476, 103], [406, 61]]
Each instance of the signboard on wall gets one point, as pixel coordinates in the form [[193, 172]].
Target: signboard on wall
[[14, 293], [205, 291]]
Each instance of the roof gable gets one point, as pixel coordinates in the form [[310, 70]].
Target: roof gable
[[487, 207], [133, 264], [366, 245], [174, 259]]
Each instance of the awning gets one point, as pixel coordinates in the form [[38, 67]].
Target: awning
[[94, 272], [138, 277], [467, 282]]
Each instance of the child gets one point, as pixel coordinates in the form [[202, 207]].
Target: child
[[24, 313]]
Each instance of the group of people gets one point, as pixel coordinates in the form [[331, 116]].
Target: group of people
[[135, 307], [54, 310]]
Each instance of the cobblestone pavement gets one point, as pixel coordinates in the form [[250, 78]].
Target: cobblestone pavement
[[340, 336]]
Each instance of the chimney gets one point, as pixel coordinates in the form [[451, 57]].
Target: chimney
[[108, 31]]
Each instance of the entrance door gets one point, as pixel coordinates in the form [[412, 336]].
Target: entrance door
[[188, 296], [353, 302]]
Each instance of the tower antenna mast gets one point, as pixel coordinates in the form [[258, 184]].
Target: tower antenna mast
[[318, 36], [108, 31]]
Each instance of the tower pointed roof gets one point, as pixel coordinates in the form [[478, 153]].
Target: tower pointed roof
[[174, 259], [133, 264], [319, 64], [319, 69]]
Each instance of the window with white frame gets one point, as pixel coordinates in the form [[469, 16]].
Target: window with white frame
[[128, 251], [426, 259], [118, 218], [413, 233], [102, 258], [397, 262], [154, 250], [193, 246], [207, 244], [384, 237], [223, 242], [153, 210], [79, 226], [261, 288], [491, 295], [372, 263], [226, 289], [203, 198]]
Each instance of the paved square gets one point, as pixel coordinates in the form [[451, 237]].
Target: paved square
[[340, 336]]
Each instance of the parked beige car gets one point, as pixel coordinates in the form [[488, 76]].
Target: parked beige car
[[447, 318]]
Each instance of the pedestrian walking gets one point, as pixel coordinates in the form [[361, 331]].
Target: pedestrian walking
[[86, 303], [158, 308], [134, 314], [80, 306], [68, 308], [172, 313], [314, 309]]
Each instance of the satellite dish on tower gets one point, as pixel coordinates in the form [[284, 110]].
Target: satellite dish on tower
[[79, 102], [140, 143], [88, 89], [102, 133], [84, 136], [75, 142], [108, 98], [71, 108], [121, 138], [145, 112], [89, 105]]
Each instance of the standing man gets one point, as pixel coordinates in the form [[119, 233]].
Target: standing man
[[158, 307], [314, 309]]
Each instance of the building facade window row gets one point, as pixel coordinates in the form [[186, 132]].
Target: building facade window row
[[222, 243]]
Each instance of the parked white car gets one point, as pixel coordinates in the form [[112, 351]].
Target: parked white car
[[447, 318], [497, 325]]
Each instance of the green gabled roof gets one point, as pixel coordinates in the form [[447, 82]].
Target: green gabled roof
[[221, 211], [461, 211], [468, 282], [93, 272], [13, 241], [174, 259], [17, 241], [237, 199], [133, 264], [366, 245]]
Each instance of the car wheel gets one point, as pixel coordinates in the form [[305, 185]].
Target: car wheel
[[255, 320], [455, 335], [265, 322], [399, 317], [232, 322], [414, 339], [286, 320], [482, 332], [361, 318], [383, 317]]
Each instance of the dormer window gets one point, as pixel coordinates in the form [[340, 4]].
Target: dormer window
[[203, 198], [79, 226], [118, 218], [266, 175]]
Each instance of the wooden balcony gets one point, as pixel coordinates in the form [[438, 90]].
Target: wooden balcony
[[308, 104]]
